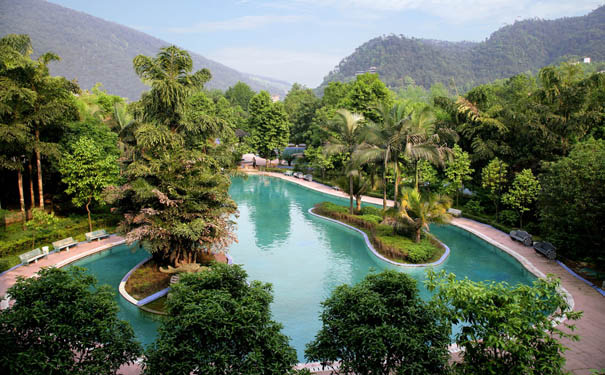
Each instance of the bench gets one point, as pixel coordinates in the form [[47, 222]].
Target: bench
[[547, 249], [288, 173], [96, 235], [298, 175], [308, 177], [65, 243], [521, 236], [33, 255], [454, 212]]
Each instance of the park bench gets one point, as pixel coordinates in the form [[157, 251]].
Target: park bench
[[454, 212], [547, 249], [521, 236], [33, 255], [65, 243], [288, 173], [308, 177], [96, 235]]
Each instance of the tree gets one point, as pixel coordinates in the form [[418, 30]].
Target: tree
[[87, 171], [493, 178], [218, 323], [381, 326], [458, 170], [240, 94], [365, 95], [269, 124], [572, 202], [523, 193], [360, 186], [419, 212], [347, 135], [505, 328], [300, 105], [62, 323]]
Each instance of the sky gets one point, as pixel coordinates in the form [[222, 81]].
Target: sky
[[302, 40]]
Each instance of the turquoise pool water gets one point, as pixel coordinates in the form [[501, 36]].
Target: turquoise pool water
[[305, 257]]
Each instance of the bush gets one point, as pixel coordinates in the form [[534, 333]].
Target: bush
[[374, 219], [333, 207], [420, 254], [370, 210], [509, 217], [9, 262], [474, 207]]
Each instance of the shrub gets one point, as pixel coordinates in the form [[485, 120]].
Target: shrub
[[374, 219], [474, 207], [370, 210], [420, 254], [9, 262], [509, 217]]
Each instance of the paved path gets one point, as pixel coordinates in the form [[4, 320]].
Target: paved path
[[586, 354]]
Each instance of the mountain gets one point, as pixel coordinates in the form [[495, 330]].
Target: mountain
[[524, 46], [94, 50]]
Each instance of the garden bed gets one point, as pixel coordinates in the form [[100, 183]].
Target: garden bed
[[389, 244]]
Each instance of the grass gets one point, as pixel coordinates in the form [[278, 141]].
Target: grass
[[146, 280], [389, 244]]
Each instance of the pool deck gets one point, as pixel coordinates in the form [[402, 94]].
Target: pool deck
[[583, 355]]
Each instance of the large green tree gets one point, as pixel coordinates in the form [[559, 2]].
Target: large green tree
[[62, 323], [300, 105], [176, 198], [87, 171], [240, 94], [506, 329], [269, 124], [572, 202], [218, 323], [523, 193], [381, 326], [458, 170], [493, 178]]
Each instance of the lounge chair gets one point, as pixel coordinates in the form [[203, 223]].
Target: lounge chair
[[33, 255], [547, 249], [521, 236], [65, 243], [96, 235], [308, 177], [288, 173]]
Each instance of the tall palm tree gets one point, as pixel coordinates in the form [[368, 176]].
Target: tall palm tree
[[360, 185], [347, 135], [419, 212]]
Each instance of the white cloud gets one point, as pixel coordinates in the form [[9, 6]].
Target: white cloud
[[292, 66], [459, 11], [238, 23]]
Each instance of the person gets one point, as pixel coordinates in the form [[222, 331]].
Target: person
[[254, 162]]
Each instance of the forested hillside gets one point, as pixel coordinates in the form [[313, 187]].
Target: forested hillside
[[94, 50], [524, 46]]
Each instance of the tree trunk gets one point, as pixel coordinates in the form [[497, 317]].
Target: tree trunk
[[351, 194], [384, 180], [31, 184], [358, 202], [416, 168], [418, 233], [396, 204], [39, 166], [88, 210], [21, 197]]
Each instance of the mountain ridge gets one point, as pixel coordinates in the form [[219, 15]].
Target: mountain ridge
[[526, 45], [96, 50]]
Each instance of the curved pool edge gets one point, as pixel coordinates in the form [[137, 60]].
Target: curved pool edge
[[523, 261], [380, 256]]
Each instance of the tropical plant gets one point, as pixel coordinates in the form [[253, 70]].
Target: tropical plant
[[523, 192], [458, 170], [493, 178], [360, 186], [87, 172], [347, 135], [419, 212], [218, 323], [381, 326], [61, 322], [506, 329]]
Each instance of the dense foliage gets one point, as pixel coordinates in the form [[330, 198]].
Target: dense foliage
[[217, 323], [506, 329], [62, 323], [524, 46], [381, 326]]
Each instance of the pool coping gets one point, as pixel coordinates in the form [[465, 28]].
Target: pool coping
[[380, 256]]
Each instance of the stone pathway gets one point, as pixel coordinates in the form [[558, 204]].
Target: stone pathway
[[583, 355]]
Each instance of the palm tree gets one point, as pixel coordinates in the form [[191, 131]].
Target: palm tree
[[418, 212], [347, 135], [356, 183]]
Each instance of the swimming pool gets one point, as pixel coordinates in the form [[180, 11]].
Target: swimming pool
[[306, 257]]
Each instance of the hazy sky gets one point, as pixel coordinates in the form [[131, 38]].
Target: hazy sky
[[302, 40]]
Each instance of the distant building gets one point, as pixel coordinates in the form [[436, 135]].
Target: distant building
[[587, 60], [372, 70], [275, 98]]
